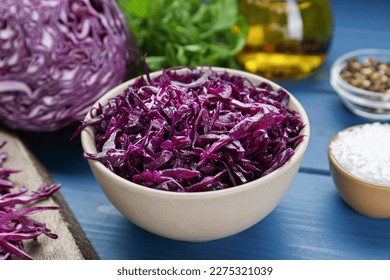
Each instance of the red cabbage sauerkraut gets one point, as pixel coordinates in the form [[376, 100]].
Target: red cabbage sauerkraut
[[195, 130]]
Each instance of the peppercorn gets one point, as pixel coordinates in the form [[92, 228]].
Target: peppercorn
[[371, 74]]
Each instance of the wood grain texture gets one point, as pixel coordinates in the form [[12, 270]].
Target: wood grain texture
[[72, 243]]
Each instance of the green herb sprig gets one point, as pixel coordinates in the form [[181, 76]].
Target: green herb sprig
[[190, 32]]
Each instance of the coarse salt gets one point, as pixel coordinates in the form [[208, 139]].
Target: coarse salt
[[365, 152]]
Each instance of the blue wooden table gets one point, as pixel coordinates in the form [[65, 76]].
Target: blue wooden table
[[311, 222]]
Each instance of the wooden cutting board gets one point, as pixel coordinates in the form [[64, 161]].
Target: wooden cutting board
[[72, 243]]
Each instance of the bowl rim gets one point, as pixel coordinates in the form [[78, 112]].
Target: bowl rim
[[364, 113], [340, 62], [334, 161], [88, 142], [358, 99]]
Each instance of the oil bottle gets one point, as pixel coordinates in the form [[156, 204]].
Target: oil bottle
[[287, 39]]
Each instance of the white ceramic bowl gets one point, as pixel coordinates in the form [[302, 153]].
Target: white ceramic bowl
[[365, 103], [200, 216]]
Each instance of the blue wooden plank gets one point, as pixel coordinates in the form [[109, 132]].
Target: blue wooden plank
[[362, 15], [327, 116], [312, 222]]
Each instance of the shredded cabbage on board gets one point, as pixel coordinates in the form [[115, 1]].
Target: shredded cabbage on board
[[194, 130], [15, 224]]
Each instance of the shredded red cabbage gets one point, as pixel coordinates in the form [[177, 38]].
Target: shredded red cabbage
[[192, 130], [58, 57], [15, 225]]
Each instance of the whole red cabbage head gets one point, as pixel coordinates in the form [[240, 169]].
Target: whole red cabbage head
[[58, 57]]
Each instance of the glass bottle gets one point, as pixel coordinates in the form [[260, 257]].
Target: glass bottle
[[286, 38]]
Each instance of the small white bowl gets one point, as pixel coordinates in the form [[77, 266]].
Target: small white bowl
[[365, 103], [200, 216]]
